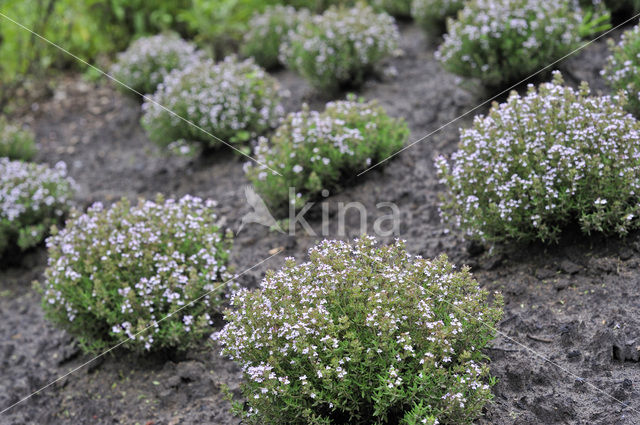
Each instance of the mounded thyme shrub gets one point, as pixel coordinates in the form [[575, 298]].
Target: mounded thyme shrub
[[432, 14], [502, 41], [268, 30], [316, 150], [622, 70], [148, 60], [540, 162], [340, 46], [16, 142], [113, 272], [362, 334], [233, 100], [33, 197]]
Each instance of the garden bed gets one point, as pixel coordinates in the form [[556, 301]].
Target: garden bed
[[573, 304]]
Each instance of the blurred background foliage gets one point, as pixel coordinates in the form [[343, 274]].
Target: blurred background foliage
[[95, 30]]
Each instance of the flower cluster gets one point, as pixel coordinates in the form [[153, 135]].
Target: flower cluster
[[432, 14], [33, 197], [501, 41], [399, 8], [145, 64], [340, 46], [622, 70], [315, 150], [363, 332], [540, 162], [268, 30], [16, 142], [233, 100], [124, 273]]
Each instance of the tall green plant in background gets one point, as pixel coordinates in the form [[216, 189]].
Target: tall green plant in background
[[24, 55], [138, 17], [95, 29], [88, 29]]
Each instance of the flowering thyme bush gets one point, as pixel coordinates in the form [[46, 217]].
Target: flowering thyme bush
[[539, 162], [268, 30], [622, 70], [232, 100], [362, 334], [149, 59], [32, 198], [432, 14], [501, 41], [113, 272], [16, 142], [340, 46], [315, 150]]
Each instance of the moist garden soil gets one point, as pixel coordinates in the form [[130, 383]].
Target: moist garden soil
[[568, 347]]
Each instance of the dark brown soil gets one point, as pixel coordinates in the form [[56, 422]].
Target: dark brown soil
[[568, 347]]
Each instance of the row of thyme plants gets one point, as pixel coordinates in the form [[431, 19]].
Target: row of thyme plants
[[154, 275], [535, 165], [199, 103], [360, 333], [496, 41]]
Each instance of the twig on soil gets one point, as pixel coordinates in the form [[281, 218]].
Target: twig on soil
[[539, 338], [506, 350]]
